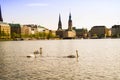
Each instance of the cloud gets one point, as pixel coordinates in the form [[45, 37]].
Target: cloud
[[37, 4]]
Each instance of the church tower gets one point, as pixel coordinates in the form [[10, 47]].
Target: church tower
[[1, 19], [69, 33], [59, 31], [59, 23], [70, 23]]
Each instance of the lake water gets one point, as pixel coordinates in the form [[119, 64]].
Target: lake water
[[99, 59]]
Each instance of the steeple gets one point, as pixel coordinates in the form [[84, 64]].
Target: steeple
[[59, 23], [70, 23], [69, 16], [1, 19]]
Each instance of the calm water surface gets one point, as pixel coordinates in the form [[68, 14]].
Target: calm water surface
[[98, 60]]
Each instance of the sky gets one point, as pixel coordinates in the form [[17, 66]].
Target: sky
[[85, 13]]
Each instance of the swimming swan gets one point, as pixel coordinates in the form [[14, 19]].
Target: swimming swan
[[30, 56], [73, 56]]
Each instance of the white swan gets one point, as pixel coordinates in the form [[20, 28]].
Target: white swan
[[37, 52]]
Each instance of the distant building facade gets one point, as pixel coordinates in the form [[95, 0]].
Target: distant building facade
[[115, 31], [5, 31], [41, 28], [4, 28], [108, 33], [69, 33], [81, 33], [25, 31], [98, 32], [36, 28], [33, 28], [15, 30], [66, 33]]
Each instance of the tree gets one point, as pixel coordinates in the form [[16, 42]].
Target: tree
[[2, 34], [15, 35]]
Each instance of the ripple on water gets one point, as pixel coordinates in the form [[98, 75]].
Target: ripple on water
[[94, 63]]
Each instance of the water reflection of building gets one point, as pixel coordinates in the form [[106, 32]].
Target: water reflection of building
[[68, 33]]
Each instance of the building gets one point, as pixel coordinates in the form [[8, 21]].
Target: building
[[1, 19], [81, 33], [98, 32], [15, 30], [115, 31], [108, 33], [69, 33], [59, 32], [25, 31], [37, 31], [54, 33], [65, 33], [5, 31], [4, 28], [33, 27], [41, 28]]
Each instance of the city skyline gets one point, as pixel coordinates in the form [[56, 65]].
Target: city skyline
[[85, 13]]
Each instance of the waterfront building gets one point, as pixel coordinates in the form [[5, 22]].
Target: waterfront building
[[59, 32], [108, 33], [65, 33], [81, 33], [15, 30], [41, 28], [36, 28], [115, 31], [69, 33], [1, 19], [33, 28], [5, 30], [38, 31], [98, 32], [46, 31], [51, 34], [25, 31]]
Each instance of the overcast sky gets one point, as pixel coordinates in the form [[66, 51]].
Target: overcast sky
[[85, 13]]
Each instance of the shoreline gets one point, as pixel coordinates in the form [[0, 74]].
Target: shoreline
[[34, 39]]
